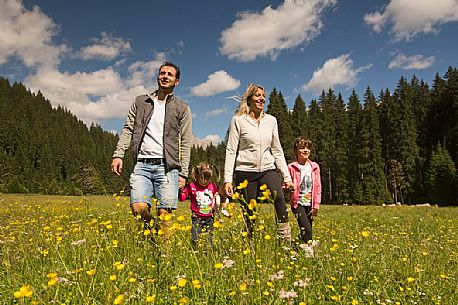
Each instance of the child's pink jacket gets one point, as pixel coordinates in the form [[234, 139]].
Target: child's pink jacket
[[295, 173]]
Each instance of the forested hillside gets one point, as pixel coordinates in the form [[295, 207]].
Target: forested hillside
[[50, 151], [398, 146]]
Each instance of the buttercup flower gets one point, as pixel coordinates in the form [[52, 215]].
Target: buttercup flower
[[242, 185]]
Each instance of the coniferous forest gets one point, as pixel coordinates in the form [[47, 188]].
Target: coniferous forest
[[397, 146]]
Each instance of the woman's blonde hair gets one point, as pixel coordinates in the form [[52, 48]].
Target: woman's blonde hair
[[244, 107]]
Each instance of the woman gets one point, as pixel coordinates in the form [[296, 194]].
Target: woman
[[254, 151]]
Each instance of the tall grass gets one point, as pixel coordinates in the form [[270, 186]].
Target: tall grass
[[90, 250]]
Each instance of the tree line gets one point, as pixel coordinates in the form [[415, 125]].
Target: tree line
[[396, 147]]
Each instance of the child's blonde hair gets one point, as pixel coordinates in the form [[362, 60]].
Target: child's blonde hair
[[203, 173]]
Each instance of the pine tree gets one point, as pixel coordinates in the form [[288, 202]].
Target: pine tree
[[442, 178], [354, 148], [373, 176], [278, 108]]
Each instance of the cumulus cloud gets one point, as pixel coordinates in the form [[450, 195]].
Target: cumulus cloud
[[213, 139], [95, 95], [106, 48], [411, 62], [216, 83], [410, 18], [335, 71], [271, 31], [27, 35]]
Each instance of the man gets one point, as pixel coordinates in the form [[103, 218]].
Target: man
[[158, 128]]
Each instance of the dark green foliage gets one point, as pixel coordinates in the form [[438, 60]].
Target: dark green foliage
[[46, 150], [441, 178], [277, 107]]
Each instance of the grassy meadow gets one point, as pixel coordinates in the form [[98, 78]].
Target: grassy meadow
[[90, 250]]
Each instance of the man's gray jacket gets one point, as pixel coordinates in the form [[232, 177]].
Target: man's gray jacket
[[177, 131]]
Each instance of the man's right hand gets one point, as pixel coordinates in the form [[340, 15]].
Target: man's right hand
[[116, 166]]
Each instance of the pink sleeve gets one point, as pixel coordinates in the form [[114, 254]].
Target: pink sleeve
[[184, 193]]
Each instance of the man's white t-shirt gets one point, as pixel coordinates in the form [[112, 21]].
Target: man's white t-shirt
[[152, 145]]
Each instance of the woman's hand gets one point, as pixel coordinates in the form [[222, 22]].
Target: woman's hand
[[228, 188]]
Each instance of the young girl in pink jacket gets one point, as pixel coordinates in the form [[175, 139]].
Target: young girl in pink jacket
[[306, 197]]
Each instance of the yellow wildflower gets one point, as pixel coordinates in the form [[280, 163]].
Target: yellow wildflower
[[196, 284], [91, 272], [252, 204], [219, 265], [113, 277], [243, 185], [365, 233], [150, 298], [263, 187], [181, 282], [119, 299], [243, 286]]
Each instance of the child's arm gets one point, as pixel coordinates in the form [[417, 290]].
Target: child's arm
[[183, 193]]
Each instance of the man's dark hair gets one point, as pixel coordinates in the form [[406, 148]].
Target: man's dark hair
[[171, 64]]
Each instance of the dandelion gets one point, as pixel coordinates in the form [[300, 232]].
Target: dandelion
[[243, 185], [119, 299], [219, 265], [150, 298], [181, 282]]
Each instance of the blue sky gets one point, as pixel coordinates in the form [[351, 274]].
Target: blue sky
[[93, 57]]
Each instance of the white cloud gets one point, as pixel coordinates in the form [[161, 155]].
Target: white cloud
[[335, 71], [271, 31], [410, 18], [96, 95], [107, 48], [215, 112], [214, 139], [27, 35], [216, 83], [411, 62]]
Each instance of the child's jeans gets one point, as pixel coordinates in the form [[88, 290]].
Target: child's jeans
[[202, 225]]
